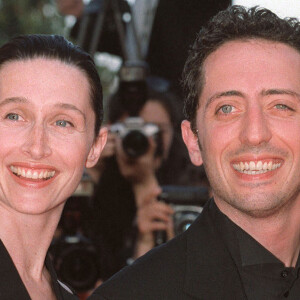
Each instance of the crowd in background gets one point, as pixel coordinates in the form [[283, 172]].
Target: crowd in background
[[126, 212]]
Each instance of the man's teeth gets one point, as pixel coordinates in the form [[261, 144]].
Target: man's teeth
[[32, 174], [254, 168]]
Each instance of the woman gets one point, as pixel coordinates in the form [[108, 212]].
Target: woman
[[50, 118]]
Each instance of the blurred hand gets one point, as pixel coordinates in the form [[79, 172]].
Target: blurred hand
[[152, 215], [70, 7]]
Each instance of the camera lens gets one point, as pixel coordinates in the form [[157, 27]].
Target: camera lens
[[77, 266], [135, 144]]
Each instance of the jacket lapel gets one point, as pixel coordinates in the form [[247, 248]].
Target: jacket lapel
[[210, 270], [11, 285]]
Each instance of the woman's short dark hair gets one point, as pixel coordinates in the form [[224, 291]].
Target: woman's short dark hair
[[28, 47], [234, 23]]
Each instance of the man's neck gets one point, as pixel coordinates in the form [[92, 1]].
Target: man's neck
[[279, 233]]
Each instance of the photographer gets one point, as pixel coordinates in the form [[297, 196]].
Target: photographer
[[126, 209]]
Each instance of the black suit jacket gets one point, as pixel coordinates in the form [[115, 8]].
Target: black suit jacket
[[194, 265]]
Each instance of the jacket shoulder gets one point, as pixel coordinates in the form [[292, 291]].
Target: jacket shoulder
[[159, 274]]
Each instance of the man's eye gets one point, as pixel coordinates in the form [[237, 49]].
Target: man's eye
[[226, 109], [13, 117], [63, 123], [282, 107]]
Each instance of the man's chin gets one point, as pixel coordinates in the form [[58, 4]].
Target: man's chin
[[255, 206]]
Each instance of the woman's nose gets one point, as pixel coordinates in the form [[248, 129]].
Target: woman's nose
[[37, 144]]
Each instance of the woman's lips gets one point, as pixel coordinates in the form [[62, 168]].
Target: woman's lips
[[33, 176], [31, 173]]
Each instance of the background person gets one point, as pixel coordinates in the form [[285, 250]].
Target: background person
[[127, 211], [51, 112], [243, 110]]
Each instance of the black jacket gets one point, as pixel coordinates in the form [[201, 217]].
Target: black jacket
[[194, 265], [12, 287]]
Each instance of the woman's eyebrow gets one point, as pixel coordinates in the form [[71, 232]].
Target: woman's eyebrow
[[72, 107], [67, 106]]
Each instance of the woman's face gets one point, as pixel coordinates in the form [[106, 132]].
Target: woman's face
[[154, 112], [46, 134]]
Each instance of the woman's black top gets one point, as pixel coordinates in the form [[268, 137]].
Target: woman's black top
[[12, 286]]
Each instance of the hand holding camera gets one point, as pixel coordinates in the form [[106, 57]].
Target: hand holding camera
[[152, 216]]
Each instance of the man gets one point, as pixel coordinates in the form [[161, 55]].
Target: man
[[242, 79]]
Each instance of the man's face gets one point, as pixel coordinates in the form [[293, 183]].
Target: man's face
[[248, 125]]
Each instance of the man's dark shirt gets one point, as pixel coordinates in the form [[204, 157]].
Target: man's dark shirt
[[263, 275]]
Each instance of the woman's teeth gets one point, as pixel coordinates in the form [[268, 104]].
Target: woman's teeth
[[31, 174], [254, 168]]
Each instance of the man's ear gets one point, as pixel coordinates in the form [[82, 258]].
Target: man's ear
[[191, 141], [97, 148]]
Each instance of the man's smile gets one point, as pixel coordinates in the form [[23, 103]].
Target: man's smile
[[256, 167]]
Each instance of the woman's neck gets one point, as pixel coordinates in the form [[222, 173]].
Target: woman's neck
[[27, 239]]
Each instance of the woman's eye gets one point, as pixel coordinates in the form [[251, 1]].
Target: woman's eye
[[63, 123], [13, 117], [226, 109]]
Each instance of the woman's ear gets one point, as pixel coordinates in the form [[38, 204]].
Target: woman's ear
[[97, 148], [191, 141]]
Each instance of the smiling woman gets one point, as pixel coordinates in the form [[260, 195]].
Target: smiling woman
[[50, 118]]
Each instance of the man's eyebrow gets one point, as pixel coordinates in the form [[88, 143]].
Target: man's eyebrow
[[280, 92], [69, 106], [13, 100], [222, 94]]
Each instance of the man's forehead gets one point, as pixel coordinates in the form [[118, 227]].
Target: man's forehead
[[237, 48], [238, 64]]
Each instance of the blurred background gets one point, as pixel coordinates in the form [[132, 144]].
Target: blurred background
[[45, 16], [139, 47]]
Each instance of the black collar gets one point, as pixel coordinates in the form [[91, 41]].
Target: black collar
[[211, 272]]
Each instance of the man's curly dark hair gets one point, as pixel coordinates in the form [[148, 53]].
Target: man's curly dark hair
[[234, 23]]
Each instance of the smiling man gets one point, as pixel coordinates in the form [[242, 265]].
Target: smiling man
[[242, 81]]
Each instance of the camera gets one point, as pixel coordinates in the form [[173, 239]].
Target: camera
[[187, 203], [135, 134], [75, 256], [75, 259]]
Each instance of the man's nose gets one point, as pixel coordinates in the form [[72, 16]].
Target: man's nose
[[37, 144], [255, 129]]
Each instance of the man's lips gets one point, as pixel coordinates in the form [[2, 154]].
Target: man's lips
[[257, 167], [32, 173]]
